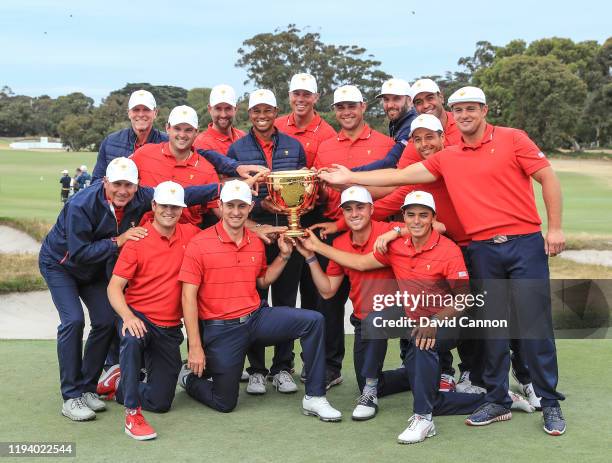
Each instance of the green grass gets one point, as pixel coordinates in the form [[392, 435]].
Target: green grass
[[272, 428], [587, 204], [29, 181]]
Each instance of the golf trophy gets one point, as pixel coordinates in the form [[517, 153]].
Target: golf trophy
[[293, 191]]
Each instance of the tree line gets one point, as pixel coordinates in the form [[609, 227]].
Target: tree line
[[557, 90]]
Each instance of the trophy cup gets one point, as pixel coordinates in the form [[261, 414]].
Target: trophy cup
[[293, 191]]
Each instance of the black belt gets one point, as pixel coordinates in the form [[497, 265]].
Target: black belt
[[500, 239], [231, 321]]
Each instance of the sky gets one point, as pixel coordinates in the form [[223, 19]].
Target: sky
[[57, 47]]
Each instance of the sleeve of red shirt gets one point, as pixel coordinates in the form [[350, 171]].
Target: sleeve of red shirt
[[528, 155], [382, 258], [391, 204], [409, 156], [192, 269], [127, 262], [433, 165]]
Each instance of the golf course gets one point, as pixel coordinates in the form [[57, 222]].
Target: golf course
[[272, 427]]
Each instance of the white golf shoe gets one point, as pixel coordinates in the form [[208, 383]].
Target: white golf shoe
[[77, 410], [419, 428], [320, 407]]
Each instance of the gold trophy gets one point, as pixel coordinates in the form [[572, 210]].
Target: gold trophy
[[293, 191]]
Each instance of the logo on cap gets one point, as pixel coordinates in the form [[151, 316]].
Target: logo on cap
[[237, 188], [418, 84], [417, 196], [344, 91], [141, 93], [222, 92], [304, 78], [262, 93], [462, 92], [184, 112], [172, 191]]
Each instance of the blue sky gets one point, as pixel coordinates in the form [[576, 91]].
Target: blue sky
[[56, 47]]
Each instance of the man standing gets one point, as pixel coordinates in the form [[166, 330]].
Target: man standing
[[356, 144], [488, 175], [65, 181], [231, 314], [84, 179], [150, 311], [221, 132], [76, 259], [142, 111], [397, 105], [304, 122], [266, 146], [176, 159]]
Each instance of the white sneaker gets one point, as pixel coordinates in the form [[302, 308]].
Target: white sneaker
[[531, 396], [183, 374], [419, 428], [367, 407], [464, 382], [319, 406], [283, 382], [520, 403], [92, 400], [257, 384], [473, 389], [244, 377], [77, 410]]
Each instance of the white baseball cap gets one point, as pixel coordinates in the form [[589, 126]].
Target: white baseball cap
[[422, 198], [169, 193], [467, 95], [394, 87], [236, 189], [262, 96], [424, 86], [222, 94], [356, 193], [426, 121], [142, 97], [84, 168], [303, 81], [183, 114], [348, 93], [65, 171], [122, 169]]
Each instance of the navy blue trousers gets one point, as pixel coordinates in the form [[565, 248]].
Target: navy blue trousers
[[161, 348], [79, 370], [516, 277], [284, 294], [368, 359], [225, 347], [423, 370]]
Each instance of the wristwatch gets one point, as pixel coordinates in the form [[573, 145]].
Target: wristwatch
[[398, 230]]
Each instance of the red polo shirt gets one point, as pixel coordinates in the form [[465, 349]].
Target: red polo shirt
[[432, 270], [225, 272], [490, 182], [364, 284], [267, 146], [157, 164], [152, 266], [212, 139], [311, 136], [368, 147]]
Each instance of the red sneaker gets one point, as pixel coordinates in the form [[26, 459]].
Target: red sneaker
[[447, 383], [108, 381], [136, 426]]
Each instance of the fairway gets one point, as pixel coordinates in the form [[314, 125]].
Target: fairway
[[587, 197], [29, 181], [272, 427]]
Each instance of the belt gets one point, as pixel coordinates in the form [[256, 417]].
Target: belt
[[231, 321], [500, 239]]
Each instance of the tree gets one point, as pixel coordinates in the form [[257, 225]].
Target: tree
[[198, 99], [69, 105], [271, 59], [538, 94], [76, 132]]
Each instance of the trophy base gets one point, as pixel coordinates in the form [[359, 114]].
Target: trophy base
[[294, 233]]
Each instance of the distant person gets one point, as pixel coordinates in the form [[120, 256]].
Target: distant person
[[75, 180], [65, 181], [84, 179], [142, 112]]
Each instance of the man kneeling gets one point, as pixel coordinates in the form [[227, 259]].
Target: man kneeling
[[222, 268], [151, 311]]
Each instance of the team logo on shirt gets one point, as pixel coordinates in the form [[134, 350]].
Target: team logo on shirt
[[191, 177], [428, 266], [253, 259], [541, 155], [462, 274], [369, 151]]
